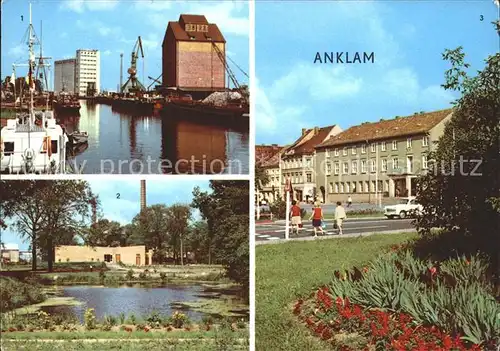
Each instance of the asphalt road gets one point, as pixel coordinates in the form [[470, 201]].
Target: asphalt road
[[276, 230]]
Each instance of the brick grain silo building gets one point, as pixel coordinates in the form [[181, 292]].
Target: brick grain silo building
[[190, 61]]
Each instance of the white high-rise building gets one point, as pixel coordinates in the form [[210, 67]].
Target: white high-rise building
[[88, 70], [64, 75]]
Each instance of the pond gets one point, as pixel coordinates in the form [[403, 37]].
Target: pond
[[142, 300]]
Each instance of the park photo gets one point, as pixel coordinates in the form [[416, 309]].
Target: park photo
[[135, 264], [376, 176]]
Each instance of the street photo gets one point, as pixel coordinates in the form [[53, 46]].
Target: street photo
[[124, 87], [376, 175], [124, 264]]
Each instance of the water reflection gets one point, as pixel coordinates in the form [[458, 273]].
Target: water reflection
[[123, 143], [139, 300]]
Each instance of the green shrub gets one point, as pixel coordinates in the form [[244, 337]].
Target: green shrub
[[132, 319], [111, 320], [130, 274], [163, 276], [154, 318], [89, 318], [122, 318], [466, 270], [143, 276], [15, 293], [179, 319], [102, 276]]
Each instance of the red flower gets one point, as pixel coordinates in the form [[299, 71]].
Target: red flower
[[327, 334], [467, 262], [357, 311], [433, 270], [365, 269], [309, 321]]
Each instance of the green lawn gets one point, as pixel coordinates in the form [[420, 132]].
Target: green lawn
[[286, 271]]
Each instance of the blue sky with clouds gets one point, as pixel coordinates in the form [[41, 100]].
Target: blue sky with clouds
[[408, 38], [112, 27], [124, 209]]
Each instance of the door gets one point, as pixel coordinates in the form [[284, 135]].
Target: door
[[409, 164], [117, 258], [138, 259]]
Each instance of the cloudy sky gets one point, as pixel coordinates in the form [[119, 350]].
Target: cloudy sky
[[407, 37], [112, 27], [124, 208]]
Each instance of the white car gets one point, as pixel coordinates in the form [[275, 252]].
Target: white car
[[407, 206]]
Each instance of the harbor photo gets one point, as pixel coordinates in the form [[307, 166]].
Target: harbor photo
[[122, 261], [125, 88]]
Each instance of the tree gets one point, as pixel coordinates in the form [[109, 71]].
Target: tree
[[46, 212], [177, 224], [461, 193], [152, 226], [226, 210], [261, 177], [106, 233], [198, 241]]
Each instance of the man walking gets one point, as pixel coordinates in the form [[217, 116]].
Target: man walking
[[349, 201], [340, 216]]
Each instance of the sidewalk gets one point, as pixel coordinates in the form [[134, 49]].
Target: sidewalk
[[326, 237], [350, 219]]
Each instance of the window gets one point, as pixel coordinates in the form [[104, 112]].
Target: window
[[327, 153], [347, 187], [354, 167], [408, 143], [384, 165], [386, 185], [341, 187], [360, 188], [425, 141], [346, 167], [344, 151], [372, 186], [394, 145], [353, 150], [336, 187], [309, 178], [373, 147], [424, 162], [395, 163], [363, 166], [372, 166], [366, 186], [336, 168], [336, 152], [328, 168], [363, 149], [383, 146], [330, 188]]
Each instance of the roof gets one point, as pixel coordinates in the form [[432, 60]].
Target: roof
[[180, 34], [384, 129], [309, 139], [10, 247], [264, 153]]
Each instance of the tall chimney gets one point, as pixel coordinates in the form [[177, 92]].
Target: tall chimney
[[143, 195]]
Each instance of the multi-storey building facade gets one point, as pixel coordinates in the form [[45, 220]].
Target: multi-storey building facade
[[88, 71], [298, 162], [381, 159], [268, 158], [64, 75]]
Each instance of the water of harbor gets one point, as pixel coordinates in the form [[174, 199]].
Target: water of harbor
[[122, 143]]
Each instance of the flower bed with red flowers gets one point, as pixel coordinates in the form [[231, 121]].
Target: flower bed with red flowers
[[393, 323]]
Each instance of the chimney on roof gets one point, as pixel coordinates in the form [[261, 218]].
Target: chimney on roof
[[304, 131]]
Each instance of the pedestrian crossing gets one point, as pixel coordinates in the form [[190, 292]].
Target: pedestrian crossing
[[280, 233]]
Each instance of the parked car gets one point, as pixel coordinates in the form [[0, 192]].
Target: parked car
[[406, 207]]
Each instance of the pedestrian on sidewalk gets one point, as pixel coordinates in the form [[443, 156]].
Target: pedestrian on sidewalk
[[317, 218], [349, 201], [340, 216], [296, 217]]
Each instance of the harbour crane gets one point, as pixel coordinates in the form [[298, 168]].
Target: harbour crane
[[157, 80], [230, 73], [133, 84]]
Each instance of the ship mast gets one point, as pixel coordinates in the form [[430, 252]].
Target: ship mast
[[30, 72]]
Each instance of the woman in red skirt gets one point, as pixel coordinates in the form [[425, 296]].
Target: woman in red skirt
[[317, 218]]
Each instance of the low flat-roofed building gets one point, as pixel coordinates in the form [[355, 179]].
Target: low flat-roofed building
[[130, 255]]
